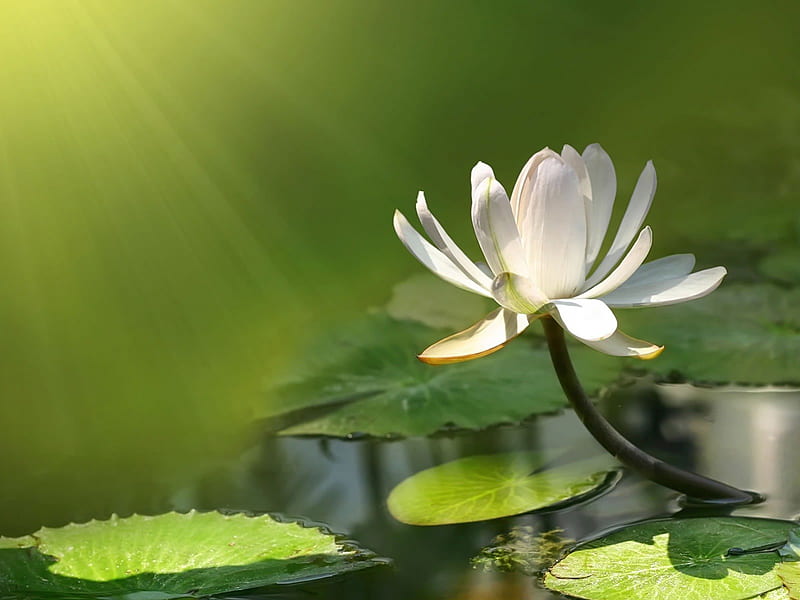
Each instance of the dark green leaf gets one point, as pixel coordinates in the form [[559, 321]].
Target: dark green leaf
[[365, 378], [783, 264], [740, 333]]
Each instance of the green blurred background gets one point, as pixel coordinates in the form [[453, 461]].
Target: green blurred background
[[190, 190]]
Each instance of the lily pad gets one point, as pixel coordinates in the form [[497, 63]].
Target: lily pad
[[429, 300], [789, 570], [780, 593], [172, 556], [782, 265], [489, 486], [740, 333], [674, 559], [365, 379]]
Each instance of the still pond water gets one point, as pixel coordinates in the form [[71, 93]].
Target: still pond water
[[191, 191], [742, 436]]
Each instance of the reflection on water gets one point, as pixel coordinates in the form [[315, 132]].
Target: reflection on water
[[742, 437], [748, 439]]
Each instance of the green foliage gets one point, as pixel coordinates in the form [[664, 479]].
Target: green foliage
[[740, 333], [426, 299], [172, 556], [783, 264], [364, 378], [675, 559], [789, 569], [522, 549], [477, 488]]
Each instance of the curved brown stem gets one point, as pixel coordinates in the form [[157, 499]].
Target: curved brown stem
[[650, 467]]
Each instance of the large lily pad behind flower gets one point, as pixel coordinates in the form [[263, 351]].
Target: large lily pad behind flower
[[483, 487], [172, 556], [675, 559], [426, 299], [740, 333], [783, 264], [365, 378]]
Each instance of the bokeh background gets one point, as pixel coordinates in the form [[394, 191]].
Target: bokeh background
[[191, 190]]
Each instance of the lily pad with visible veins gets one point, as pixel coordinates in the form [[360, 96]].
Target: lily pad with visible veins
[[484, 487], [172, 556], [675, 559], [364, 378], [740, 333]]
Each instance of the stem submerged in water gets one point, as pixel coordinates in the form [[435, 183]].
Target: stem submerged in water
[[650, 467]]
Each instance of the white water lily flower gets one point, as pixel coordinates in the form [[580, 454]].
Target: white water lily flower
[[541, 248]]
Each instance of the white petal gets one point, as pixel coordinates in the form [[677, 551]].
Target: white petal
[[604, 189], [675, 265], [625, 269], [484, 337], [667, 291], [429, 256], [517, 293], [495, 228], [586, 319], [641, 199], [620, 344], [574, 160], [525, 179], [480, 172], [553, 225], [446, 244]]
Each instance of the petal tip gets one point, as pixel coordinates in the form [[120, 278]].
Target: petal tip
[[448, 360], [399, 222], [480, 172], [594, 147], [422, 204], [651, 355]]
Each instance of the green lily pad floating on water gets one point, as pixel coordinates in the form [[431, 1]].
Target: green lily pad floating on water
[[789, 569], [675, 559], [172, 556], [740, 333], [489, 486], [364, 378]]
